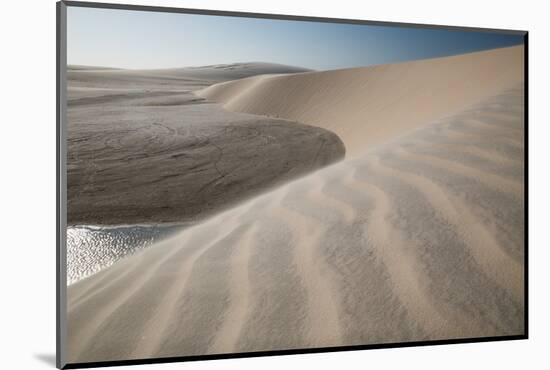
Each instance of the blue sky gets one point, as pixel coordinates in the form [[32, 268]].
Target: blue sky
[[138, 39]]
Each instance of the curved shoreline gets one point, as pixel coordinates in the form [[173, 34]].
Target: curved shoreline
[[155, 153]]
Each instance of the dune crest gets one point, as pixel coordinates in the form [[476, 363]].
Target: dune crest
[[371, 105]]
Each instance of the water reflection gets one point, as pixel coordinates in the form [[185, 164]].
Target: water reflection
[[93, 248]]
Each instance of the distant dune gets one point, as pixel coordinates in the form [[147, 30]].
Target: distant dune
[[76, 67], [371, 105], [233, 71], [420, 238], [189, 78]]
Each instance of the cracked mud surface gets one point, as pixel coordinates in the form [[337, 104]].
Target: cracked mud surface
[[145, 149]]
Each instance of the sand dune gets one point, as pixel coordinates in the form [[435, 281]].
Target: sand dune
[[171, 78], [370, 105], [227, 72], [418, 238]]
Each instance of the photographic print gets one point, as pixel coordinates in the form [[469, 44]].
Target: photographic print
[[246, 184]]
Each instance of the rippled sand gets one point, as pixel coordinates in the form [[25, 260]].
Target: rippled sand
[[419, 238]]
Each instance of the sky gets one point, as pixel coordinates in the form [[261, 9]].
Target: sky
[[141, 40]]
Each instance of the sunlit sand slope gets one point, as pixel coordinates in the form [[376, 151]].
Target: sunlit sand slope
[[370, 105], [420, 238]]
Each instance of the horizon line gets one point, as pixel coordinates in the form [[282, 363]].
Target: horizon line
[[68, 65]]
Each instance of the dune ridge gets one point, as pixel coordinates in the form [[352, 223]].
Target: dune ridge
[[370, 105], [383, 247], [170, 79]]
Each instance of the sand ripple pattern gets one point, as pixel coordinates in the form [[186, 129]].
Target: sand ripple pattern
[[420, 238]]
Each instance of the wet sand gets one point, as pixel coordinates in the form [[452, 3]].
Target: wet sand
[[142, 148]]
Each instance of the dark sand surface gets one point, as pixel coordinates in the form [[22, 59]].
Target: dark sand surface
[[142, 148]]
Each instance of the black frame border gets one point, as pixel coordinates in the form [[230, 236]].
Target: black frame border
[[61, 63]]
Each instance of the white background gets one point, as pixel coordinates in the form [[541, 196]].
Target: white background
[[27, 132]]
